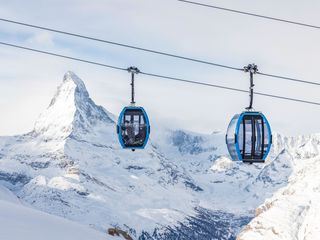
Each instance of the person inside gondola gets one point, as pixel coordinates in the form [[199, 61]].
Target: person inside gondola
[[138, 131], [129, 135]]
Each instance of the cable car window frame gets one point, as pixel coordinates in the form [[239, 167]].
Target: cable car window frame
[[266, 138], [129, 113], [257, 134]]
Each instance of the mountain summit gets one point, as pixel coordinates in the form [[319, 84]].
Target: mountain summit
[[71, 111]]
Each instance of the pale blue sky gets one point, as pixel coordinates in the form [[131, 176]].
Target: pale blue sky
[[29, 80]]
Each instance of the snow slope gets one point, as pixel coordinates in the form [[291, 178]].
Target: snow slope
[[8, 196], [19, 222], [183, 185], [293, 211]]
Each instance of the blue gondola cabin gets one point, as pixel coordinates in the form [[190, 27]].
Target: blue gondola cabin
[[249, 137], [133, 128]]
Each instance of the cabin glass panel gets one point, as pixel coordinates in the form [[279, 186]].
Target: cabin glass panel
[[254, 137], [258, 138], [248, 137], [266, 139], [230, 138], [246, 151], [133, 128]]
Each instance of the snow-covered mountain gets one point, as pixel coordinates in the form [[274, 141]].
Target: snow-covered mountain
[[182, 186], [20, 222], [292, 212]]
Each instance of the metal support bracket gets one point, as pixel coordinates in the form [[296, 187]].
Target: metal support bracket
[[133, 71], [252, 69]]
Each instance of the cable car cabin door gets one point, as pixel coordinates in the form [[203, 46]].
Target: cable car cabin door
[[134, 128], [253, 138]]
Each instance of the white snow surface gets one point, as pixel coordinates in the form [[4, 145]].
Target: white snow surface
[[293, 211], [71, 165], [20, 222], [8, 196]]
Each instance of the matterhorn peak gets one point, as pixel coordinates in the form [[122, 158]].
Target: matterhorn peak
[[71, 86], [72, 77], [71, 111]]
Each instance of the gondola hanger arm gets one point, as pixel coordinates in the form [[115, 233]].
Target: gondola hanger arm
[[252, 69], [133, 71]]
